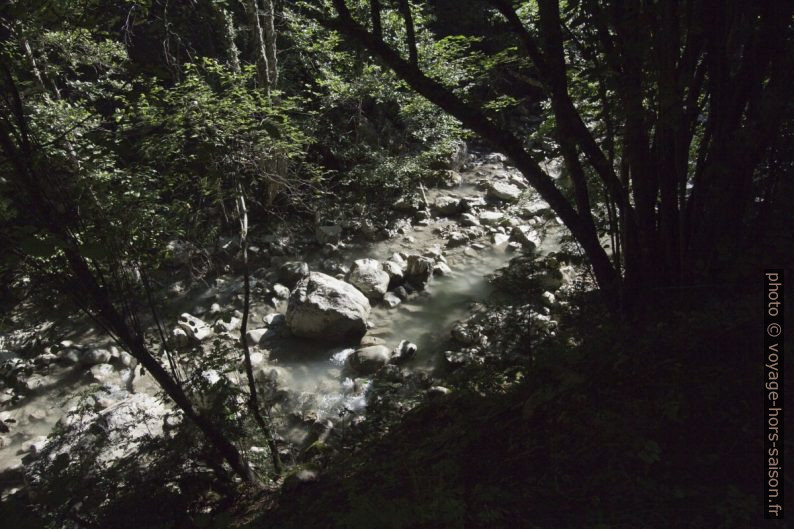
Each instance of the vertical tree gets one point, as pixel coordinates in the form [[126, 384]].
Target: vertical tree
[[698, 89]]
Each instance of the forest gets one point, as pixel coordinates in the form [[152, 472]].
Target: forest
[[394, 264]]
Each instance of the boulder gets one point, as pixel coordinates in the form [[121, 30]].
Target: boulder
[[440, 268], [499, 239], [457, 238], [321, 307], [391, 300], [194, 327], [403, 352], [330, 234], [293, 271], [368, 360], [368, 276], [395, 271], [254, 336], [526, 236], [467, 219], [419, 270], [491, 218], [103, 374], [95, 356], [504, 191], [446, 205]]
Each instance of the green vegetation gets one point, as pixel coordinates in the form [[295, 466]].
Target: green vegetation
[[150, 144]]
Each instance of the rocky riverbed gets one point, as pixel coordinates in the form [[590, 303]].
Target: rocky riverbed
[[360, 298]]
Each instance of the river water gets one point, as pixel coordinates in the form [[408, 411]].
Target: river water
[[313, 371]]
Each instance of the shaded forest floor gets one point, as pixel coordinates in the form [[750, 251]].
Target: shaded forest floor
[[656, 425]]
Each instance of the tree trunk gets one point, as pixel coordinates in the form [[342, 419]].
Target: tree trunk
[[253, 400], [260, 47]]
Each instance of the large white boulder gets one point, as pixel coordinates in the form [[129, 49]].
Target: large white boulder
[[368, 276], [322, 307]]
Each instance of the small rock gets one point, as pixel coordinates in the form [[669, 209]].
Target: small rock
[[179, 337], [419, 270], [395, 271], [467, 219], [499, 239], [371, 340], [369, 277], [254, 336], [490, 218], [280, 291], [368, 360], [441, 268], [102, 373], [526, 236], [391, 300], [438, 391], [457, 238], [446, 205], [195, 328], [403, 352], [95, 356], [37, 415]]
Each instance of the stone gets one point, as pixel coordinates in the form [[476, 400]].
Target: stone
[[440, 268], [391, 300], [329, 234], [395, 271], [368, 276], [280, 291], [95, 356], [102, 373], [419, 270], [254, 336], [70, 356], [195, 328], [526, 236], [293, 271], [368, 360], [257, 360], [503, 191], [37, 415], [467, 219], [371, 340], [45, 359], [223, 325], [274, 320], [446, 205], [457, 238], [179, 337], [403, 352], [470, 202], [35, 383], [321, 307], [438, 391], [499, 239], [490, 218]]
